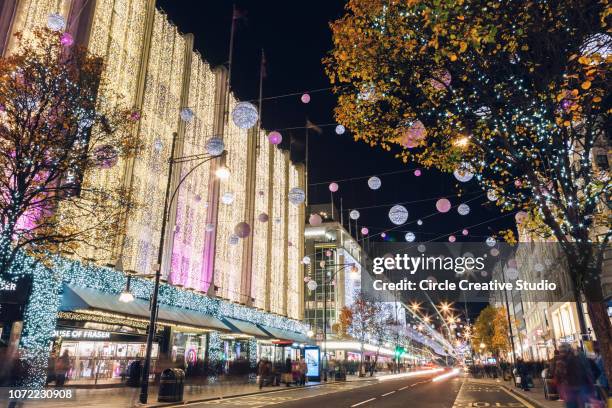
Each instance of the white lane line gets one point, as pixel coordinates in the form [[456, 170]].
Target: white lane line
[[389, 393], [516, 397], [403, 388], [362, 402]]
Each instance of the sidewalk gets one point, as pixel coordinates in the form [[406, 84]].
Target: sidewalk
[[534, 396]]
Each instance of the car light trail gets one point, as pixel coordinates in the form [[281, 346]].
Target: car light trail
[[454, 372], [411, 374]]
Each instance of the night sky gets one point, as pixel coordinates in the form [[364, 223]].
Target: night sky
[[295, 36]]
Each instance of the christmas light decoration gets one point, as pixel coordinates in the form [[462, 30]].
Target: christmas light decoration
[[463, 209], [227, 198], [464, 173], [490, 241], [398, 214], [354, 214], [214, 146], [275, 138], [305, 98], [374, 183], [409, 237], [364, 231], [242, 230], [245, 115], [186, 114], [296, 196], [333, 187], [56, 22], [340, 130], [263, 217], [315, 220], [443, 205]]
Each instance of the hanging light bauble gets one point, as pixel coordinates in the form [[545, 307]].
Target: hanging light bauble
[[463, 209], [419, 222], [263, 217], [464, 172], [417, 173], [66, 40], [186, 115], [364, 231], [227, 198], [443, 205], [296, 196], [490, 241], [413, 135], [306, 260], [491, 195], [465, 232], [374, 183], [312, 285], [410, 237], [340, 130], [275, 138], [158, 145], [333, 187], [245, 115], [242, 230], [56, 22], [520, 217], [315, 220], [354, 214], [209, 227], [305, 98], [214, 146], [421, 248], [398, 214], [452, 238]]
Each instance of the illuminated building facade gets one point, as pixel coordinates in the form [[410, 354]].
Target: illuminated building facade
[[153, 69]]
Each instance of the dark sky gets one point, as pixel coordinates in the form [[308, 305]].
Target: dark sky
[[295, 36]]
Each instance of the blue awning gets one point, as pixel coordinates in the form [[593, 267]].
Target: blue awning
[[243, 327], [281, 334], [76, 299]]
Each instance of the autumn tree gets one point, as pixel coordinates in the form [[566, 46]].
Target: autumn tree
[[345, 320], [365, 321], [491, 329], [513, 94], [56, 133]]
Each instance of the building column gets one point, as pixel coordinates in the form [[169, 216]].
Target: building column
[[166, 267], [249, 216], [285, 157], [8, 9], [207, 278], [268, 277], [301, 227]]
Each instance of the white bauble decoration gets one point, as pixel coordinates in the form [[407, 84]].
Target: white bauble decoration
[[464, 172], [340, 130], [421, 248], [245, 115], [306, 260], [227, 198], [209, 227], [398, 214], [410, 237], [296, 196], [312, 285], [490, 241], [483, 112], [600, 43], [538, 267], [419, 222], [491, 195], [463, 209], [234, 239], [187, 114], [214, 146], [56, 22], [158, 145], [374, 183], [354, 214]]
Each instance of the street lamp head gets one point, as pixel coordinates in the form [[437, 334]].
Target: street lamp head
[[482, 345], [310, 333], [126, 297]]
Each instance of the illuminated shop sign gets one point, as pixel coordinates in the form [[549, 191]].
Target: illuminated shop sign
[[82, 334], [7, 286]]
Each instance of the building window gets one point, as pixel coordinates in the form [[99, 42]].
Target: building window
[[601, 160]]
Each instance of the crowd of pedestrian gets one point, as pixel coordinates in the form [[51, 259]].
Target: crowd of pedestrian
[[292, 372]]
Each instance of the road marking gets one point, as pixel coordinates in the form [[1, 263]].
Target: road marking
[[364, 402], [517, 398], [403, 388], [389, 393]]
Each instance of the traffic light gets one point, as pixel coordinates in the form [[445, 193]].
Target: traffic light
[[399, 351]]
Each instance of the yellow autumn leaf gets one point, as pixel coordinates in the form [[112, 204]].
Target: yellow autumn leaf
[[452, 57], [586, 85], [462, 46]]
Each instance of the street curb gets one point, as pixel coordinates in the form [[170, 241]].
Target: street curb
[[529, 399], [178, 404]]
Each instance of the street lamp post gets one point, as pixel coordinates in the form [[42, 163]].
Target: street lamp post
[[153, 306]]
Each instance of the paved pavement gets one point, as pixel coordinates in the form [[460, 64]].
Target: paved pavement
[[534, 395]]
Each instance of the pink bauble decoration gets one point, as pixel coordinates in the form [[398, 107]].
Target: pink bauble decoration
[[333, 187], [413, 135], [307, 279], [289, 243], [198, 198], [383, 235], [441, 79], [452, 238], [518, 183], [465, 232], [315, 220], [305, 98], [328, 253], [261, 193], [275, 138], [417, 173], [134, 116], [263, 217], [443, 205], [364, 231], [242, 230], [66, 39]]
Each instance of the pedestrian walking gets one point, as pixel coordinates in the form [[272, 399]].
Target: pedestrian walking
[[573, 377], [303, 367], [62, 366]]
